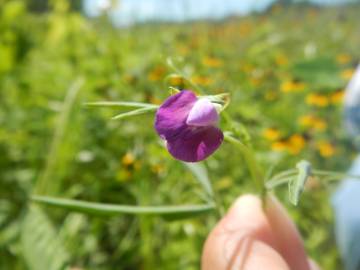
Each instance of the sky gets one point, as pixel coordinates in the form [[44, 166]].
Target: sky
[[127, 12]]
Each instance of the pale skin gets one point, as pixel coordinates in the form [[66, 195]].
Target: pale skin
[[255, 236]]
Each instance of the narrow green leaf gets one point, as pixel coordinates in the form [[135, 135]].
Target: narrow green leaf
[[120, 104], [297, 184], [41, 245], [134, 112], [200, 173], [42, 185], [180, 211], [9, 233]]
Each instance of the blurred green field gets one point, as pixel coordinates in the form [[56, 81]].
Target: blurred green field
[[285, 69]]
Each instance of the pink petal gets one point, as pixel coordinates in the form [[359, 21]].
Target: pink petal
[[203, 114]]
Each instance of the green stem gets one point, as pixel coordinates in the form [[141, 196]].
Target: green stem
[[251, 162], [277, 182], [328, 176]]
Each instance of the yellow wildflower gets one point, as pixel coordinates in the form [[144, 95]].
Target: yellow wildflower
[[343, 58], [281, 60], [212, 62], [176, 80], [157, 73], [347, 74], [337, 97], [279, 146], [271, 134], [326, 149], [291, 86], [295, 144], [320, 124], [306, 120], [157, 169], [317, 100], [202, 80], [311, 121], [128, 159]]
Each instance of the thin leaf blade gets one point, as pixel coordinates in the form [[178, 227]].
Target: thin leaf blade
[[134, 113], [179, 211], [120, 104]]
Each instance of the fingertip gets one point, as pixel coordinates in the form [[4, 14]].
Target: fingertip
[[245, 205], [247, 254], [289, 241], [244, 220]]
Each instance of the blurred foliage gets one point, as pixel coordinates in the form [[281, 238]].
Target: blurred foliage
[[285, 69]]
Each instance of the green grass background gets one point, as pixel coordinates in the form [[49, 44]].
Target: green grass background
[[42, 55]]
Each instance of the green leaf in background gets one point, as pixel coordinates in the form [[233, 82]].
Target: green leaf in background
[[134, 112], [120, 104], [296, 185], [171, 212], [142, 107], [319, 73], [200, 173], [41, 245], [43, 183]]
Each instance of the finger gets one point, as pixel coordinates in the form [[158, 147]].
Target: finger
[[313, 265], [242, 240], [289, 243]]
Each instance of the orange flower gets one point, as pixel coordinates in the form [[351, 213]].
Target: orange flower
[[295, 144], [306, 120], [326, 149], [157, 169], [320, 124], [128, 159], [317, 100], [281, 60], [311, 121], [291, 86], [202, 80], [157, 73], [271, 134], [343, 58], [212, 62], [176, 80], [337, 97], [279, 146]]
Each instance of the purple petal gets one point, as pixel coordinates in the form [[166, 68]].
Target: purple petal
[[170, 119], [195, 143], [203, 114]]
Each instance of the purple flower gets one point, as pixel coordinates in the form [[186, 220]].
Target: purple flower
[[189, 126]]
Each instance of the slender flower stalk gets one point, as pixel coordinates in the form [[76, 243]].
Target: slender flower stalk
[[249, 157]]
